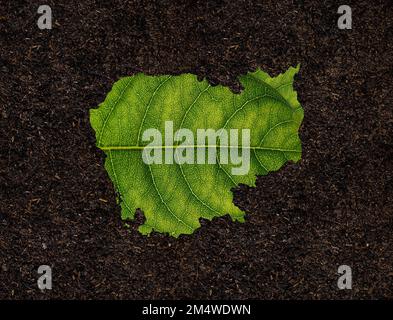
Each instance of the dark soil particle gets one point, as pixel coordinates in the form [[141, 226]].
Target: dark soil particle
[[334, 207]]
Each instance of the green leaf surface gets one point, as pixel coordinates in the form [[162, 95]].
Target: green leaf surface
[[173, 197]]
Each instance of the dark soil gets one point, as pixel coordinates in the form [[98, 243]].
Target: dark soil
[[58, 206]]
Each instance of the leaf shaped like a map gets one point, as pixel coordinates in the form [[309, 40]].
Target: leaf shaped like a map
[[173, 195]]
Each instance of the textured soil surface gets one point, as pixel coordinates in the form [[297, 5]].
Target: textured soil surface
[[334, 207]]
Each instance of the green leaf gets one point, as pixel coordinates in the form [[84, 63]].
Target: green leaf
[[175, 196]]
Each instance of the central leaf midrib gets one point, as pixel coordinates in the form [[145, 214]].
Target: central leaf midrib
[[140, 148]]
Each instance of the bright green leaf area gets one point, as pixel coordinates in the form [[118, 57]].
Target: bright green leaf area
[[174, 197]]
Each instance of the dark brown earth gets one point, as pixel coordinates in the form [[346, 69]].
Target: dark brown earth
[[58, 206]]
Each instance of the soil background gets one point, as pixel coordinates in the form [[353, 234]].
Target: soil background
[[58, 206]]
